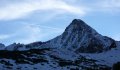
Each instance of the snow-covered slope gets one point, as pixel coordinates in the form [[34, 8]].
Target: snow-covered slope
[[107, 58], [46, 59]]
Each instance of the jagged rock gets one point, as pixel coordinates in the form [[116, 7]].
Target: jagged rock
[[22, 47], [15, 46]]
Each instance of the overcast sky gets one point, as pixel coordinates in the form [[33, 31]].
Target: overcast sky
[[28, 21]]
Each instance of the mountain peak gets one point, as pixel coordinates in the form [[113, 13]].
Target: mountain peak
[[80, 37], [77, 22], [78, 25]]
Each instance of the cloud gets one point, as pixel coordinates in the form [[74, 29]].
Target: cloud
[[108, 6], [111, 3], [4, 36], [31, 33], [21, 9], [38, 33], [25, 34]]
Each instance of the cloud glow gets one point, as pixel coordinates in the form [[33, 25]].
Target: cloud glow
[[22, 9]]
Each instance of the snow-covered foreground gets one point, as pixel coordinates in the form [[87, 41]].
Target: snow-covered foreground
[[49, 59], [108, 58]]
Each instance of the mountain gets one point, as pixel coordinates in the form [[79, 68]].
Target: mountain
[[22, 47], [80, 37], [79, 47], [2, 46]]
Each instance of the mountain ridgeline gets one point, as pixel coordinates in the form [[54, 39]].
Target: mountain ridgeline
[[79, 47], [80, 37], [77, 37]]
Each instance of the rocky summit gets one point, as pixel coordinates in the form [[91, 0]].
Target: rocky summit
[[80, 37]]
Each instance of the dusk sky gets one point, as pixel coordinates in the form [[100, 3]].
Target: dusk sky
[[26, 21]]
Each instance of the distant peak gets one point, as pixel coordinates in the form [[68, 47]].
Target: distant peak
[[77, 20], [79, 23]]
